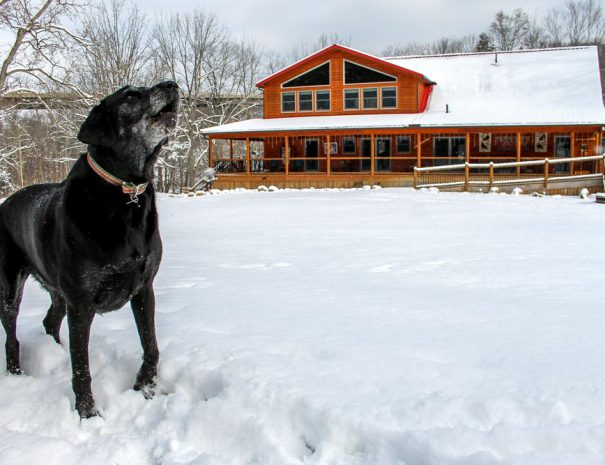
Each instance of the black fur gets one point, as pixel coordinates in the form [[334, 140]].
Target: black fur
[[82, 239]]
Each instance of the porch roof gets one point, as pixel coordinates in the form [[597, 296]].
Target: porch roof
[[550, 87]]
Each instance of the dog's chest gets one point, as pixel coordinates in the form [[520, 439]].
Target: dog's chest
[[112, 285]]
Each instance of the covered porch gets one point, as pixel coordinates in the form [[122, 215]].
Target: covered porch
[[352, 158]]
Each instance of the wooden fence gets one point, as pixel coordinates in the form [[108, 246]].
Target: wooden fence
[[557, 173]]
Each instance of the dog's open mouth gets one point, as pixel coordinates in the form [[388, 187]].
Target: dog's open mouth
[[168, 115]]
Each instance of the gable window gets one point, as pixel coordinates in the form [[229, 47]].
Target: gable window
[[370, 98], [403, 144], [305, 101], [357, 74], [322, 100], [389, 97], [319, 76], [288, 102], [348, 145], [351, 99]]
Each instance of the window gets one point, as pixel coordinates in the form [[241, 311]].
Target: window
[[451, 148], [403, 144], [351, 99], [288, 102], [348, 145], [357, 74], [322, 100], [305, 101], [319, 76], [389, 97], [370, 98]]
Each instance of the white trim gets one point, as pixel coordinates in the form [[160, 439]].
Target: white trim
[[363, 106], [298, 92], [366, 67], [396, 98], [308, 71], [344, 99], [329, 91], [282, 101]]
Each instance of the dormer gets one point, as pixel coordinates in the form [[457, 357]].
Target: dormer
[[341, 81]]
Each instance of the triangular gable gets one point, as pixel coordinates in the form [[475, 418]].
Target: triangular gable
[[318, 76], [349, 51], [359, 74]]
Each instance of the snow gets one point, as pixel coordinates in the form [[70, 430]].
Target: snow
[[363, 326], [529, 87]]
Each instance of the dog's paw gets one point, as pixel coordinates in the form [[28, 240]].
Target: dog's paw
[[148, 388], [15, 371], [87, 409]]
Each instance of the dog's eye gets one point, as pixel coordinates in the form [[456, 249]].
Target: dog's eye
[[131, 94]]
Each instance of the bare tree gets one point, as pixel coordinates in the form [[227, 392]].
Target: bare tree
[[216, 74], [304, 49], [33, 61], [535, 36], [40, 37], [120, 48], [578, 23], [509, 30]]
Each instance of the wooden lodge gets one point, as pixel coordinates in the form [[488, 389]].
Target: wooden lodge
[[343, 118]]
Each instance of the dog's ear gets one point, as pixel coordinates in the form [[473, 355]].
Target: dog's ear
[[97, 128]]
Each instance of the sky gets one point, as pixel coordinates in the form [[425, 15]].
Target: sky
[[279, 25]]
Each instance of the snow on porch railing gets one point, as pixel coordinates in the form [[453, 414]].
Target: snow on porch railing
[[499, 174]]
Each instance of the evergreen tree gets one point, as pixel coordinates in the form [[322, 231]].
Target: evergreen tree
[[484, 44]]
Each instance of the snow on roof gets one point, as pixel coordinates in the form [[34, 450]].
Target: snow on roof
[[531, 87]]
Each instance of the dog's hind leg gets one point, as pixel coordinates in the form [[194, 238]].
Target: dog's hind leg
[[54, 316], [12, 280]]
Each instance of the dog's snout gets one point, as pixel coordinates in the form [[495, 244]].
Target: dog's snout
[[169, 85]]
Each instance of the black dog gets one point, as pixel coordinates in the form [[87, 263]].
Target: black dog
[[93, 240]]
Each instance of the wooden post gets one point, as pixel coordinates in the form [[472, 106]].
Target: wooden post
[[572, 149], [248, 157], [231, 161], [599, 149], [491, 174], [467, 172], [328, 155], [372, 153], [467, 160], [415, 177], [419, 150], [210, 160], [546, 169], [287, 151], [518, 154]]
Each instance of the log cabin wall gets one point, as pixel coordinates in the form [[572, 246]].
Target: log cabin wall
[[410, 87]]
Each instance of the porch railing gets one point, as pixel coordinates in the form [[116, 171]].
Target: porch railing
[[555, 171]]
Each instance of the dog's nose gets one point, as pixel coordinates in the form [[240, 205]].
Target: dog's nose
[[169, 85]]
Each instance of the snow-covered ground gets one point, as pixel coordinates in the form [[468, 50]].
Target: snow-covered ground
[[341, 327]]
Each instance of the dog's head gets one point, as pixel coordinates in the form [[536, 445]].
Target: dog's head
[[133, 122]]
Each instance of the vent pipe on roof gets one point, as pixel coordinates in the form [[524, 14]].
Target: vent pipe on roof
[[496, 58], [447, 108]]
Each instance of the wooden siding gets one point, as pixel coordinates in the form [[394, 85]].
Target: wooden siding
[[409, 87]]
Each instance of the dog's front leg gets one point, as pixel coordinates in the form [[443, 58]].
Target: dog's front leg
[[143, 308], [80, 322]]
